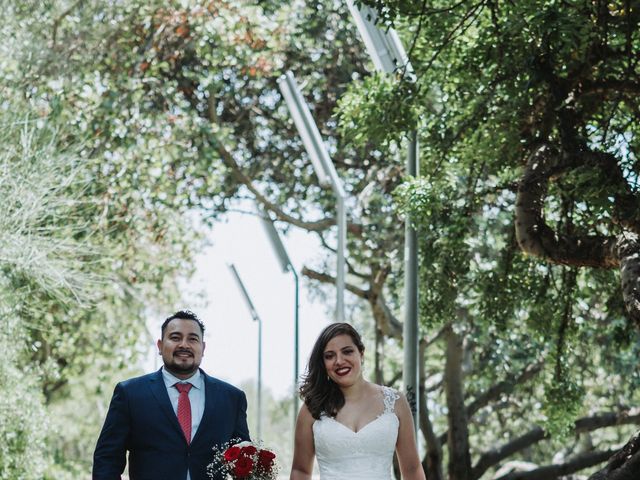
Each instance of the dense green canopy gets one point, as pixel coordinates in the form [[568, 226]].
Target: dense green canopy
[[529, 147]]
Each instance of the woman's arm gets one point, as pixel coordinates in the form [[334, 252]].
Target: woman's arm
[[303, 448], [406, 448]]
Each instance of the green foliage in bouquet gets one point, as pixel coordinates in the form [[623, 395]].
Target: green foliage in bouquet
[[379, 109]]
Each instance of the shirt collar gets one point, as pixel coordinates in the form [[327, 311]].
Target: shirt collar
[[170, 380]]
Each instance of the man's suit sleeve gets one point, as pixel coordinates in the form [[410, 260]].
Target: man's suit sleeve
[[241, 428], [110, 456]]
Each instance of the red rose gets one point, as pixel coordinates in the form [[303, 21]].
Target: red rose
[[265, 458], [243, 467], [249, 450], [231, 453]]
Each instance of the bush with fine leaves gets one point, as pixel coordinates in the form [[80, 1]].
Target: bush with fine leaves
[[23, 423]]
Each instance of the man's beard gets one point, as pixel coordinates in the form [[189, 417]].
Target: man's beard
[[184, 368], [180, 367]]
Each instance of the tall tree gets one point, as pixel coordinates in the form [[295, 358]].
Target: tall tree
[[536, 116]]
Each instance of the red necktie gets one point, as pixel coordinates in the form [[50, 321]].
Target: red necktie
[[184, 409]]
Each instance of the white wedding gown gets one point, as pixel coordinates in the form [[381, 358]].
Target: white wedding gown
[[367, 454]]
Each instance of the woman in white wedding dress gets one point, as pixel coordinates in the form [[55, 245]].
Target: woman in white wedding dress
[[352, 426]]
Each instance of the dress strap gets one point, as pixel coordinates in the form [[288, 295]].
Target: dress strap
[[389, 396]]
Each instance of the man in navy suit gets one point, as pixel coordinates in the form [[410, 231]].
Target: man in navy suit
[[170, 420]]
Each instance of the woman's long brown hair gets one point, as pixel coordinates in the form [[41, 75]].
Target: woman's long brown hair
[[319, 393]]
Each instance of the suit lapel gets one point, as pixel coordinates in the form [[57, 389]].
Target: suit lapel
[[210, 398], [159, 390]]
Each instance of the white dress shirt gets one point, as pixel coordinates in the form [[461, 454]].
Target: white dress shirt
[[196, 398]]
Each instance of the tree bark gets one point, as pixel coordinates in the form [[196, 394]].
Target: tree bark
[[312, 226], [624, 465], [536, 434], [493, 457], [499, 389], [553, 472], [432, 462], [388, 324], [458, 438], [628, 251], [533, 234], [536, 238]]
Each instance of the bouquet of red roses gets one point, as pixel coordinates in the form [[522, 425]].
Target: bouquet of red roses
[[244, 460]]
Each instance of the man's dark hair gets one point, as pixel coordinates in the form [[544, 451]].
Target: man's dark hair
[[182, 315]]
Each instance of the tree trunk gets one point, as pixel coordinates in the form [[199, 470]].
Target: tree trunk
[[458, 436], [432, 462], [379, 358], [624, 465], [628, 248]]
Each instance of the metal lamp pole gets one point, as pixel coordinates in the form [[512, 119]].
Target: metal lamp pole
[[256, 318], [388, 55], [323, 166], [285, 263]]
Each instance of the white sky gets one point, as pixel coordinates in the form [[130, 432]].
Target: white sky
[[231, 335]]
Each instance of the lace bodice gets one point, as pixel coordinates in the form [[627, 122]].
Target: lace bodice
[[366, 454]]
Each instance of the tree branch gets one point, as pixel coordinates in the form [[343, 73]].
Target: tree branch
[[535, 237], [553, 472], [505, 386], [240, 177], [536, 434], [350, 267], [494, 393], [326, 278], [611, 85], [495, 456], [608, 419], [533, 234], [59, 19], [439, 335], [382, 314]]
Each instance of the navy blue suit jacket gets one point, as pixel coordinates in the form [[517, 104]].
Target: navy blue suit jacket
[[141, 421]]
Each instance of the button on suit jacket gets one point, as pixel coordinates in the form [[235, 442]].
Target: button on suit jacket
[[141, 421]]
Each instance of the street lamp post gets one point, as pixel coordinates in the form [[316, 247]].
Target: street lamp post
[[324, 169], [256, 318], [285, 263], [388, 55], [384, 46]]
